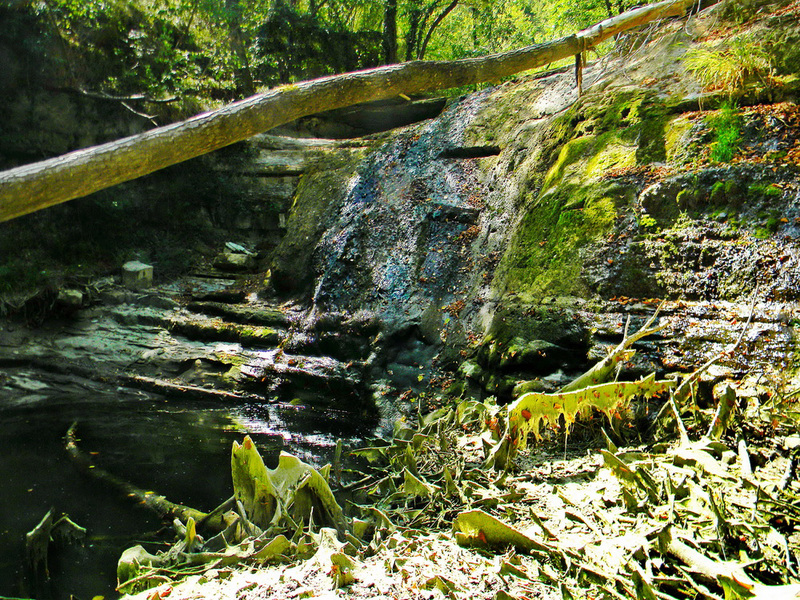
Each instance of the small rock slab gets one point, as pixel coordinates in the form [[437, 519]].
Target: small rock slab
[[235, 261], [70, 298], [137, 275]]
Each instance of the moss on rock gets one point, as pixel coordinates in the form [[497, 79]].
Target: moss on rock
[[320, 192], [635, 117], [544, 255], [575, 206], [677, 140]]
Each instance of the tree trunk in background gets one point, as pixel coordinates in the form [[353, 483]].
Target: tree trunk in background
[[242, 74], [390, 32], [475, 38], [414, 16], [32, 187]]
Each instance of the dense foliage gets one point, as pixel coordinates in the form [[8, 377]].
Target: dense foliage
[[227, 48]]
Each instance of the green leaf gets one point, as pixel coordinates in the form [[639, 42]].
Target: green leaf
[[286, 494], [477, 528], [277, 547], [416, 487], [565, 593], [372, 454], [643, 589], [342, 569], [506, 568], [444, 585], [527, 414]]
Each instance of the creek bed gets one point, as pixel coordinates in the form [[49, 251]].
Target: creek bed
[[176, 448]]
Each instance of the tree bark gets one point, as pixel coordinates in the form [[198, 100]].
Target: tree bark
[[414, 17], [424, 17], [39, 185], [390, 32]]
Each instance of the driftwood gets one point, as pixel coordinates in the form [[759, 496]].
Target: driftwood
[[159, 504], [193, 392], [39, 185], [602, 371]]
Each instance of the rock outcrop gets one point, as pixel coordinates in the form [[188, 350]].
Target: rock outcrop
[[509, 239]]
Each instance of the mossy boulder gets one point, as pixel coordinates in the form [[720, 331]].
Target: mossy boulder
[[536, 356], [627, 117], [558, 323]]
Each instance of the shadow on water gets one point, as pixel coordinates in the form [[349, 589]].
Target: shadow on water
[[175, 448]]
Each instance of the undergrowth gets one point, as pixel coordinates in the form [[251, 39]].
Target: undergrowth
[[728, 68], [726, 128]]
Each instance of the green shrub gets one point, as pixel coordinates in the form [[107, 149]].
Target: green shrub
[[648, 222]]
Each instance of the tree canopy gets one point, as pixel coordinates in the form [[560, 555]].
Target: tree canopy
[[226, 49]]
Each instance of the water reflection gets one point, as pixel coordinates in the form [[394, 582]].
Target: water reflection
[[179, 449]]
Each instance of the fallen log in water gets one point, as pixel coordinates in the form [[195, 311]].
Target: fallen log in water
[[164, 508]]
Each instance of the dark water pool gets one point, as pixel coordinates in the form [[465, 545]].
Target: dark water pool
[[178, 449]]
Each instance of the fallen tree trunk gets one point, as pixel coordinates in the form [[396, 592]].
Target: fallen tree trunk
[[39, 185], [158, 504]]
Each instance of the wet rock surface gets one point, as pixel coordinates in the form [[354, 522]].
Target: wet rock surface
[[162, 342]]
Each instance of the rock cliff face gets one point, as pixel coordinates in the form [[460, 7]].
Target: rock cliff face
[[509, 239], [506, 242]]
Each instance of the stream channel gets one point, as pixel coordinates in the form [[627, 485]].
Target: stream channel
[[75, 369]]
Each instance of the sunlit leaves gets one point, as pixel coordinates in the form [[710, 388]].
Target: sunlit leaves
[[530, 411]]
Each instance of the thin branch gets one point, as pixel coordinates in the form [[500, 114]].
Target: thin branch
[[434, 25], [185, 31], [131, 98], [151, 118]]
